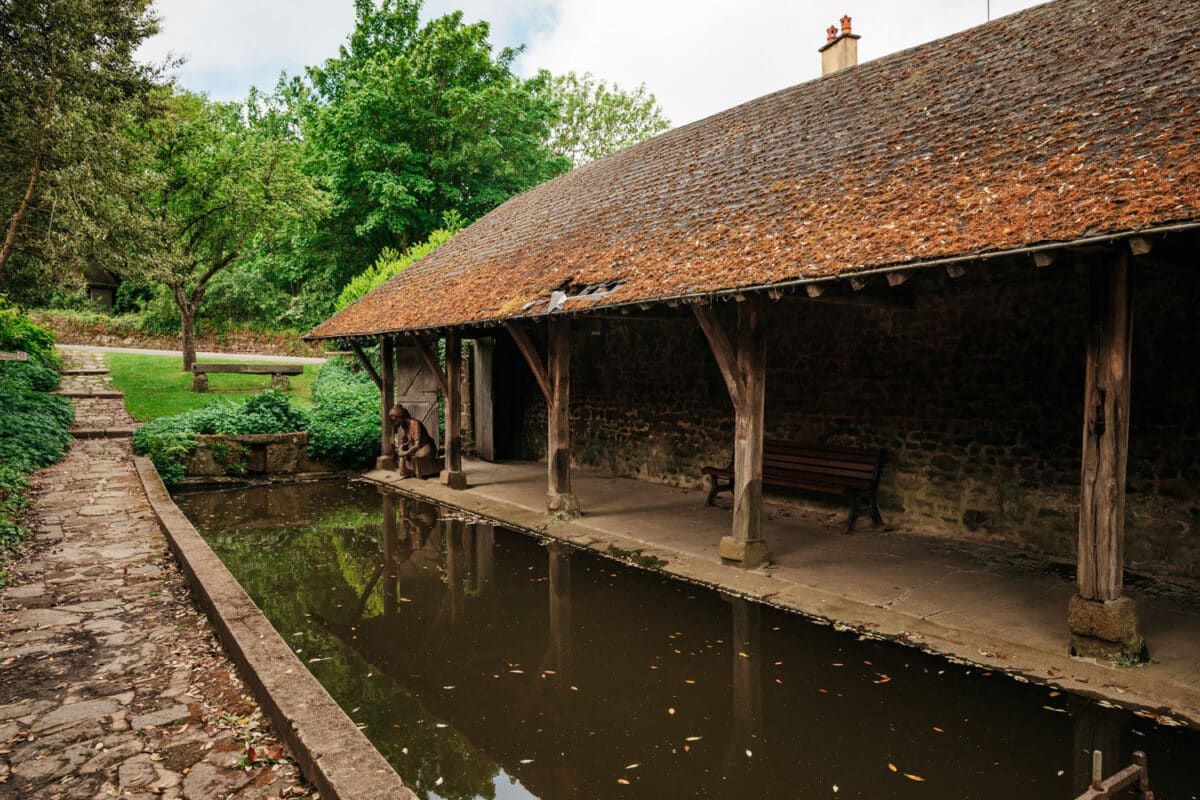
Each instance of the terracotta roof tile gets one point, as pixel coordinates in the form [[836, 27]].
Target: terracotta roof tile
[[1071, 119]]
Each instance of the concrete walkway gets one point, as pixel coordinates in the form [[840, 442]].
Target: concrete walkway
[[92, 348], [978, 602], [112, 683]]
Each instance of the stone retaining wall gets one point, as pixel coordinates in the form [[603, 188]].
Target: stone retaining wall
[[257, 454], [974, 390]]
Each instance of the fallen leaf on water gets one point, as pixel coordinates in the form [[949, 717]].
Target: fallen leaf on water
[[671, 711], [1055, 710], [912, 777], [779, 681], [440, 725], [823, 691], [517, 671], [835, 788], [743, 655], [779, 663], [749, 754], [622, 781], [1055, 694], [526, 760], [634, 765], [693, 739], [939, 730], [438, 782], [451, 686], [689, 680], [892, 767]]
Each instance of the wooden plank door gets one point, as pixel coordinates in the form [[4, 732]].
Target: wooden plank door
[[417, 389]]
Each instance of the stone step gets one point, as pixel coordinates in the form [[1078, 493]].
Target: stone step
[[115, 432], [88, 393], [85, 372]]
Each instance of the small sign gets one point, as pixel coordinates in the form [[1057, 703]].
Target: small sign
[[17, 356]]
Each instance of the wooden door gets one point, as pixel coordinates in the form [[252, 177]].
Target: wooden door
[[417, 389]]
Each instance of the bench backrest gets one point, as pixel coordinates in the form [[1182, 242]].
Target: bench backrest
[[250, 369], [851, 467]]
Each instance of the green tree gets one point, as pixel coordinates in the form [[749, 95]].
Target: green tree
[[412, 121], [69, 88], [230, 183], [595, 119]]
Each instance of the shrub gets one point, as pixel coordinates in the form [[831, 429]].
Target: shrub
[[390, 263], [169, 441], [344, 425], [33, 425]]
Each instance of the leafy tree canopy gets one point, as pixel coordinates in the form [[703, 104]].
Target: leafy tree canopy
[[412, 121], [69, 88], [595, 119], [229, 185]]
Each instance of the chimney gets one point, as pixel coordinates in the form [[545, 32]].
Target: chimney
[[841, 48]]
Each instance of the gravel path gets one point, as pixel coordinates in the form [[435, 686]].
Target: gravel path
[[112, 682], [95, 348]]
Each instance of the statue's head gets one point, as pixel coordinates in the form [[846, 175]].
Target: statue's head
[[398, 413]]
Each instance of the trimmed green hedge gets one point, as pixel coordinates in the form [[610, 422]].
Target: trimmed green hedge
[[344, 424]]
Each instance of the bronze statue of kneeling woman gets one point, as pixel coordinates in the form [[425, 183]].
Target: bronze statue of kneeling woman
[[416, 453]]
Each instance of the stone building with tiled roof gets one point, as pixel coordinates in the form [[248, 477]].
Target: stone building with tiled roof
[[933, 254]]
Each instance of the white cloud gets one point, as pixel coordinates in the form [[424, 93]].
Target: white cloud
[[231, 44], [698, 57], [704, 56]]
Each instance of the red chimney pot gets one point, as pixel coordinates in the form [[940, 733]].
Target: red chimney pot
[[831, 34], [845, 24]]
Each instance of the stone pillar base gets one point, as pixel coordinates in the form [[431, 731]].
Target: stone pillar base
[[1106, 630], [385, 462], [455, 479], [750, 553], [199, 382], [563, 506]]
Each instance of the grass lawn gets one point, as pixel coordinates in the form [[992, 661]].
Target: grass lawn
[[154, 386]]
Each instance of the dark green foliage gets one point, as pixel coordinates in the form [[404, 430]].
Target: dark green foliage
[[33, 425], [169, 441], [344, 426]]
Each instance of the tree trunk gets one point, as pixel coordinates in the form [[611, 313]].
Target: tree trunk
[[14, 222], [187, 321]]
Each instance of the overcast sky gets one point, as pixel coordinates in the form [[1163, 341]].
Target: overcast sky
[[697, 56]]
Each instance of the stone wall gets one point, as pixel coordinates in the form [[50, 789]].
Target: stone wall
[[255, 454], [973, 386]]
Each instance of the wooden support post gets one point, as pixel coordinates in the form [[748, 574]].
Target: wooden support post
[[1103, 622], [387, 397], [559, 498], [390, 576], [452, 475], [560, 607], [743, 365]]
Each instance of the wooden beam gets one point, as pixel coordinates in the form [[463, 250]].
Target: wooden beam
[[559, 497], [532, 357], [722, 350], [387, 395], [452, 475], [955, 270], [897, 278], [1043, 259], [858, 284], [814, 289], [431, 363], [1105, 431], [367, 365]]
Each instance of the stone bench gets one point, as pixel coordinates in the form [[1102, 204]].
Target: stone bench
[[279, 373]]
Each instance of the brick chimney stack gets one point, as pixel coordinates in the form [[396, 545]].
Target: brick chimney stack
[[841, 48]]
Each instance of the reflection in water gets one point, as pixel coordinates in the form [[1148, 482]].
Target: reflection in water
[[486, 665]]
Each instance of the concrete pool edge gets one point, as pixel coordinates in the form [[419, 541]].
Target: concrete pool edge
[[333, 753], [1131, 688]]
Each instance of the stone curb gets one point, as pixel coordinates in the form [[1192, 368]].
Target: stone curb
[[85, 372], [332, 752]]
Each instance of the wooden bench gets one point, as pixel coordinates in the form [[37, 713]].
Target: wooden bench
[[278, 372], [849, 472]]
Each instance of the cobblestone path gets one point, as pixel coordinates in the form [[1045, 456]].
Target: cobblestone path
[[112, 682]]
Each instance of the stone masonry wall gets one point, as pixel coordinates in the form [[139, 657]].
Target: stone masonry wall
[[975, 392]]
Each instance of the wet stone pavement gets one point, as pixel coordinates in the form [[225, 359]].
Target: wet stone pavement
[[112, 682]]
